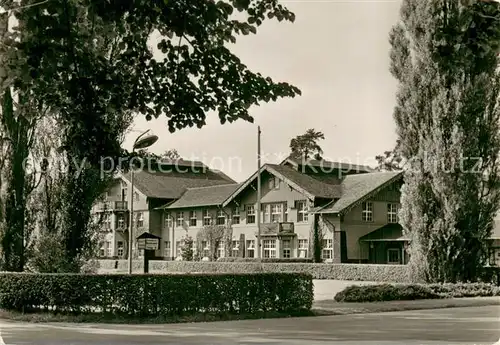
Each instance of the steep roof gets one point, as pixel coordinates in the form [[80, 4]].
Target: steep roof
[[327, 165], [355, 188], [203, 196], [307, 184], [224, 176], [316, 186], [173, 183]]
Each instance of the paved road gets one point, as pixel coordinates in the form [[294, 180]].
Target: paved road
[[462, 326]]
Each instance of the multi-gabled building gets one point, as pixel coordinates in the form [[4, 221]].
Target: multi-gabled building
[[354, 208]]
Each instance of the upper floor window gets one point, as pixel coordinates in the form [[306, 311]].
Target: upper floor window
[[124, 193], [136, 196], [276, 213], [250, 214], [192, 218], [302, 213], [168, 220], [274, 183], [221, 217], [107, 221], [265, 213], [121, 221], [140, 219], [180, 219], [392, 213], [207, 218], [367, 213], [236, 215], [285, 214]]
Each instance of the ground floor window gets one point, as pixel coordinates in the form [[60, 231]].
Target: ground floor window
[[250, 248], [102, 250], [166, 251], [205, 249], [286, 246], [109, 251], [303, 248], [269, 247], [221, 252], [119, 248], [393, 256], [327, 250], [235, 247]]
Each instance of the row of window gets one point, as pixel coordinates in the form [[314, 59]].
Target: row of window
[[268, 248], [367, 212], [271, 213]]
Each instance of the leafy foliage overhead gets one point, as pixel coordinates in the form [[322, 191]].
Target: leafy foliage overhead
[[74, 51]]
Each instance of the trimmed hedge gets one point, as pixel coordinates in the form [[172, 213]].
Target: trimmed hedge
[[399, 292], [358, 272], [266, 260], [156, 295]]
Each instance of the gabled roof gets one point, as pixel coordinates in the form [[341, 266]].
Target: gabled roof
[[203, 196], [224, 176], [316, 186], [172, 184], [327, 165], [388, 232], [357, 188], [181, 163], [308, 185]]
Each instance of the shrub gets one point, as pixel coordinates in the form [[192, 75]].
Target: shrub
[[398, 292], [384, 292], [156, 295], [187, 252], [48, 254]]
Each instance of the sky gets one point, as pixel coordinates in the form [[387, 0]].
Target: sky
[[337, 53]]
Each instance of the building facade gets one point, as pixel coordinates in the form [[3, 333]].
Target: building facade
[[352, 209]]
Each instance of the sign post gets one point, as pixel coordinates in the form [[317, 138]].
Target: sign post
[[149, 243]]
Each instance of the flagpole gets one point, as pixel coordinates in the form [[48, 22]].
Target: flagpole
[[259, 249]]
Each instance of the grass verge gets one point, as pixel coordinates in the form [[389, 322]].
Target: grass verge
[[336, 308], [109, 318]]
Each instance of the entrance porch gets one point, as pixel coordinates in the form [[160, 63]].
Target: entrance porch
[[386, 245]]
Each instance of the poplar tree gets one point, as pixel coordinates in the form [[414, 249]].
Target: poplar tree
[[445, 57]]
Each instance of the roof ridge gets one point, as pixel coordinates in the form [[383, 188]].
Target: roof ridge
[[213, 186]]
